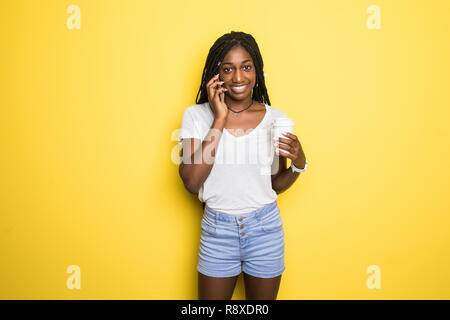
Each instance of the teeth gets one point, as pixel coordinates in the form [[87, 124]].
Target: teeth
[[240, 87]]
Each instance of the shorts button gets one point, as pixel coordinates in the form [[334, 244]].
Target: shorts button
[[240, 218], [241, 226], [243, 234]]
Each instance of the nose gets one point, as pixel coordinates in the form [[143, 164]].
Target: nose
[[237, 76]]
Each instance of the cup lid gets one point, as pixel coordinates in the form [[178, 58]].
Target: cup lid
[[283, 122]]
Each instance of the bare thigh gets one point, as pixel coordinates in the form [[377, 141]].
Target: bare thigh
[[212, 288], [261, 288]]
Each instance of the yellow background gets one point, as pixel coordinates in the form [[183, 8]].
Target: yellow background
[[88, 120]]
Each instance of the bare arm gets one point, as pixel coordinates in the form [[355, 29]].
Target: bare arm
[[281, 167], [284, 180], [198, 159]]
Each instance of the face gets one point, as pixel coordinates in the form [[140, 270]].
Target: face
[[237, 70]]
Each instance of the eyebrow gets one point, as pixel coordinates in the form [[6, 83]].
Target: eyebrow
[[241, 62]]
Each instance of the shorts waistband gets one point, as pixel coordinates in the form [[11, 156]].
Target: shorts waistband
[[223, 216]]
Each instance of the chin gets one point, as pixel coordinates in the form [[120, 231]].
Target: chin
[[240, 97]]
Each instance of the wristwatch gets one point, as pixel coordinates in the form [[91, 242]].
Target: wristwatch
[[295, 169]]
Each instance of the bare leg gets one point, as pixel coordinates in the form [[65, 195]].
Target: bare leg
[[212, 288], [261, 288]]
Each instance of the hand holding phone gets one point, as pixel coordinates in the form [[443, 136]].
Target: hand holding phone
[[216, 96]]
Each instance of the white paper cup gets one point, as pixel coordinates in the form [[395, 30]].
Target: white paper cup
[[279, 126]]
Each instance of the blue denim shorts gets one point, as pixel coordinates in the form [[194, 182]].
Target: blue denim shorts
[[253, 241]]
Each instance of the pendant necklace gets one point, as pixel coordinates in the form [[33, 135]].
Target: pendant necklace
[[237, 112]]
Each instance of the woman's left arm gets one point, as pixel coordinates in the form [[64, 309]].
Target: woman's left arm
[[287, 177]]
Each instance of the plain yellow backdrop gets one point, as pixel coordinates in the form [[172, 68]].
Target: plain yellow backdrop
[[88, 128]]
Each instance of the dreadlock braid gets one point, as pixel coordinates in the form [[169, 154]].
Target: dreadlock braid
[[219, 50]]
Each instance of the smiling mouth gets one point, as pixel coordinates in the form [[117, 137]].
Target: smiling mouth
[[239, 89]]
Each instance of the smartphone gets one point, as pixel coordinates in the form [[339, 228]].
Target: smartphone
[[220, 94]]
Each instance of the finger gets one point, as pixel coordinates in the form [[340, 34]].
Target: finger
[[216, 85], [219, 84], [283, 140], [285, 154], [219, 91], [290, 135], [215, 81], [284, 147], [215, 78], [212, 86]]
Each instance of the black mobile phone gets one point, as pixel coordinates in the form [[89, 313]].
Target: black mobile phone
[[220, 94]]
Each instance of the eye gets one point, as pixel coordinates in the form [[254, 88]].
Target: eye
[[249, 68]]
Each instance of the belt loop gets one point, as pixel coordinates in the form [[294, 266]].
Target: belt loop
[[258, 214]]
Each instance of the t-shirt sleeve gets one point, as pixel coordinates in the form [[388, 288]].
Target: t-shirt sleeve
[[189, 128]]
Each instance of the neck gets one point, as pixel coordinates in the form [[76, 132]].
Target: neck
[[238, 105]]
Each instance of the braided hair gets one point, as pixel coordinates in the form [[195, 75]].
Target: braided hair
[[219, 50]]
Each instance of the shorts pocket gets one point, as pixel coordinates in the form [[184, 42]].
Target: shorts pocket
[[272, 224], [208, 229]]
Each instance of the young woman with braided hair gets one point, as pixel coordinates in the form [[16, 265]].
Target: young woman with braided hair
[[241, 225]]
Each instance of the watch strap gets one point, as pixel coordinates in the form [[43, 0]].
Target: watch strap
[[295, 169]]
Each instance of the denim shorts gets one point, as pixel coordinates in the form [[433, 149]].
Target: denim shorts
[[253, 241]]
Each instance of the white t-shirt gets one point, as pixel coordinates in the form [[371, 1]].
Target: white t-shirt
[[240, 179]]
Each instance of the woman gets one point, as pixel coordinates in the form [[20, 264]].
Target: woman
[[241, 225]]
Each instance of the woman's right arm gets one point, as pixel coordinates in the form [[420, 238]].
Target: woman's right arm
[[198, 159]]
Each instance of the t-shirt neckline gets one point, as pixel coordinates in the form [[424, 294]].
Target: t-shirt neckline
[[253, 130]]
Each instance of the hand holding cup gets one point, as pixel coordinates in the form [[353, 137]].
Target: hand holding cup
[[287, 143]]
